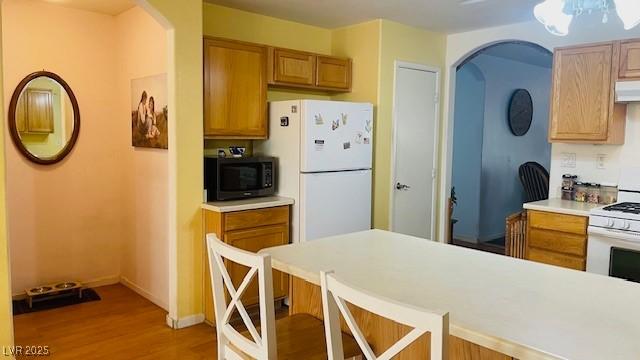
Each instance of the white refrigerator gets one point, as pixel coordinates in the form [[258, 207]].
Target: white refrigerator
[[324, 151]]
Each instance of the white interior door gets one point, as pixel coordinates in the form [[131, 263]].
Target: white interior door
[[415, 122]]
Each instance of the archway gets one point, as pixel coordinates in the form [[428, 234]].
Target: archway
[[485, 152]]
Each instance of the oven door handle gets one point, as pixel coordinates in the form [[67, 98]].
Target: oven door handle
[[629, 236]]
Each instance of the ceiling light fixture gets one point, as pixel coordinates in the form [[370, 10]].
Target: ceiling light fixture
[[557, 15]]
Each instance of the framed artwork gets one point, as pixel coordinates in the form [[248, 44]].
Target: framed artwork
[[149, 112]]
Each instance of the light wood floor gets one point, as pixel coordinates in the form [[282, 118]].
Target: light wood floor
[[123, 325]]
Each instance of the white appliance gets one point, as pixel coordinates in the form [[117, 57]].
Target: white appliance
[[614, 232], [324, 151], [627, 91]]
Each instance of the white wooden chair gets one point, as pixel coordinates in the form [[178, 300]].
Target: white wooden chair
[[300, 336], [335, 296]]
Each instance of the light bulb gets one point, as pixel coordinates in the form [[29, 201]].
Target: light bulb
[[551, 14], [629, 12]]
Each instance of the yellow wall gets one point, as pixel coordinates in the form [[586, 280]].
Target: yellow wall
[[361, 43], [404, 43], [6, 319], [374, 47], [245, 26]]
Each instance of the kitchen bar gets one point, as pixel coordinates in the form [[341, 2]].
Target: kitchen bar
[[514, 307]]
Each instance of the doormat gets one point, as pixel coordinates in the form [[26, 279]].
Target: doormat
[[22, 306]]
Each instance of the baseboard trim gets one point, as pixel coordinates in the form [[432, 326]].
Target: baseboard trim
[[184, 322], [465, 238], [491, 237], [102, 281], [144, 293]]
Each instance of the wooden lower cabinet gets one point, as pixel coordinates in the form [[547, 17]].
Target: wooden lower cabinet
[[250, 230], [557, 239], [381, 333]]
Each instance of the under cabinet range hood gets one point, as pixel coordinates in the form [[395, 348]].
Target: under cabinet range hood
[[627, 91]]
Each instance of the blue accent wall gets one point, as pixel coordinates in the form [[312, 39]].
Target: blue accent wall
[[467, 150], [486, 178]]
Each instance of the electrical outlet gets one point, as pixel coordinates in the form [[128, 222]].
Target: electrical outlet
[[601, 161], [568, 160]]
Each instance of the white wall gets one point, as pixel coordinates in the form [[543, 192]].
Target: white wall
[[585, 29], [141, 44], [66, 221], [101, 215]]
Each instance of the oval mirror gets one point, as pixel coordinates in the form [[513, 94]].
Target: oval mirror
[[44, 118]]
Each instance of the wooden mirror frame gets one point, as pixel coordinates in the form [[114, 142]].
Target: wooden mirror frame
[[13, 129]]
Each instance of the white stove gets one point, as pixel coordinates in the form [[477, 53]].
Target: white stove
[[614, 232]]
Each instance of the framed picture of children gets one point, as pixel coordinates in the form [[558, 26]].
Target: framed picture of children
[[149, 112]]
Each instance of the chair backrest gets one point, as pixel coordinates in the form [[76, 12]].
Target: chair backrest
[[262, 346], [335, 297], [516, 235], [535, 180]]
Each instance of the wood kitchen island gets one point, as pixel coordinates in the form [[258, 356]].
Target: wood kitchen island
[[499, 307]]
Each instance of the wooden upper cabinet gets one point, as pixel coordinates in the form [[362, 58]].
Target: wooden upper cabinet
[[235, 90], [293, 67], [629, 60], [583, 108], [299, 69], [333, 72], [34, 112]]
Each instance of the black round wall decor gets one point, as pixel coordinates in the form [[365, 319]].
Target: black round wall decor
[[520, 112]]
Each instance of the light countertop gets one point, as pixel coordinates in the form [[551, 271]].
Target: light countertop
[[560, 206], [247, 204], [520, 308]]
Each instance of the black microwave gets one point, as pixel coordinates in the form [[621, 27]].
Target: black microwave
[[238, 178]]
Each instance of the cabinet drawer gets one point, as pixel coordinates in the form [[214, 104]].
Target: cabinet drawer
[[552, 258], [571, 244], [558, 222], [256, 218]]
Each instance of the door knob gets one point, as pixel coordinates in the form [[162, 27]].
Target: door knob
[[402, 186]]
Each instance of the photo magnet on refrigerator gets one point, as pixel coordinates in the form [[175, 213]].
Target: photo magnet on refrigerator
[[319, 120], [359, 137], [343, 117], [366, 141]]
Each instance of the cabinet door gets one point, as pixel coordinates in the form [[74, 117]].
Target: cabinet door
[[629, 60], [235, 90], [39, 117], [293, 67], [557, 259], [582, 93], [333, 72], [253, 240]]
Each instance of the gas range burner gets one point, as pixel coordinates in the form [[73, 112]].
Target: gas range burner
[[625, 207]]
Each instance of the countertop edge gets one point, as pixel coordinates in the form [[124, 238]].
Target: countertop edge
[[503, 346], [224, 208], [557, 210], [560, 206]]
